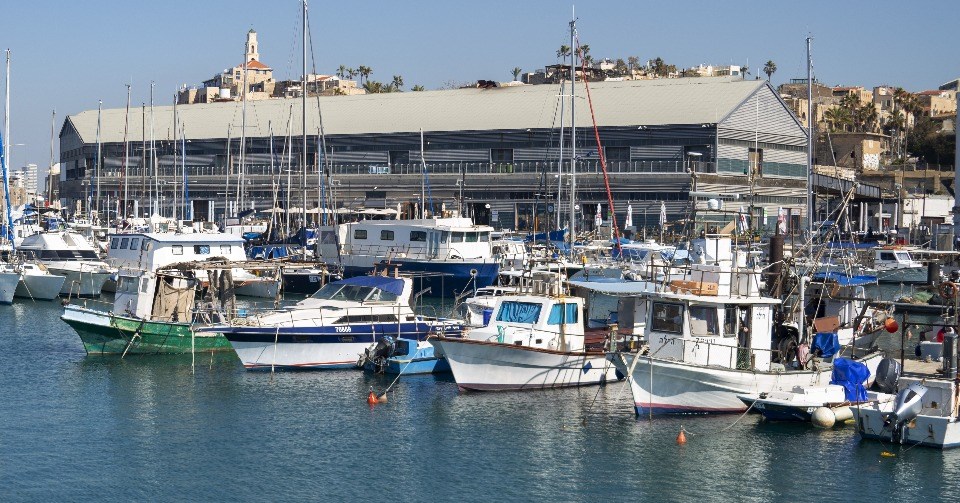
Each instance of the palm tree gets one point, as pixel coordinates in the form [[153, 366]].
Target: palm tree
[[634, 62], [770, 68], [744, 71], [351, 72], [342, 71], [837, 117], [563, 51], [364, 72], [516, 72], [620, 67], [373, 87], [397, 82], [417, 87]]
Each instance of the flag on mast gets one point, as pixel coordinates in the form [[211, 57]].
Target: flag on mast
[[599, 219], [663, 214]]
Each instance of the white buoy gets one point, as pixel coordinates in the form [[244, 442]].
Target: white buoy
[[823, 417], [843, 414]]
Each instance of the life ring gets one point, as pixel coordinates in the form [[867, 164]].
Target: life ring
[[948, 290]]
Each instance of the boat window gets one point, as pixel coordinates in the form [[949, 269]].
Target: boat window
[[201, 249], [703, 321], [359, 234], [143, 285], [355, 293], [146, 245], [472, 237], [123, 243], [177, 249], [903, 256], [444, 236], [418, 235], [562, 313], [730, 321], [126, 284], [368, 318], [887, 256], [667, 317], [135, 243], [519, 312], [386, 235], [456, 237], [484, 237], [225, 249], [114, 243]]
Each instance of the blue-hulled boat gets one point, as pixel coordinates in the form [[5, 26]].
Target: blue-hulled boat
[[333, 327], [404, 357]]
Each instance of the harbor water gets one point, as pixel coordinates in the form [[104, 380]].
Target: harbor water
[[171, 428]]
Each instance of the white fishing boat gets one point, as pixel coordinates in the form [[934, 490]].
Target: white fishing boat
[[893, 264], [925, 412], [533, 341], [838, 302], [70, 255], [710, 339], [332, 327], [478, 309]]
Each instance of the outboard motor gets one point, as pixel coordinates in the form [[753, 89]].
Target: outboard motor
[[906, 407], [888, 373], [378, 354]]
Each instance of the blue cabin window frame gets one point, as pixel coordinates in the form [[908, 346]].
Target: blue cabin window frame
[[519, 312], [565, 314]]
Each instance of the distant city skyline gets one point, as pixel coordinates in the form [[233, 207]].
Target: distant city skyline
[[67, 56]]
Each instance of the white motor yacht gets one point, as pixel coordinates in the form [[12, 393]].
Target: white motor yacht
[[70, 255]]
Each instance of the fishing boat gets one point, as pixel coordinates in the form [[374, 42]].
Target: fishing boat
[[837, 302], [534, 340], [449, 255], [710, 338], [893, 264], [925, 412], [333, 327], [70, 255], [478, 309], [153, 313], [403, 357]]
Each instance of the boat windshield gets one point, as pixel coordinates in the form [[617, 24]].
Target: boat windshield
[[903, 257], [355, 293]]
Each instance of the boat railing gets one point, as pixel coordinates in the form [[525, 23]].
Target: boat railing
[[702, 351]]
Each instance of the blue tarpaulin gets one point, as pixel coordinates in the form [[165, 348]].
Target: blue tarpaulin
[[827, 343], [844, 279], [851, 375]]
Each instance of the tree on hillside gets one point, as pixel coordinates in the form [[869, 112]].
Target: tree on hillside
[[563, 51], [634, 62], [837, 118], [770, 68], [516, 72], [620, 67], [342, 71], [744, 71], [364, 72], [397, 82], [417, 88]]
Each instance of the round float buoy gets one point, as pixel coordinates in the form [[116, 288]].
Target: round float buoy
[[681, 437], [372, 398], [891, 325], [823, 417], [382, 398]]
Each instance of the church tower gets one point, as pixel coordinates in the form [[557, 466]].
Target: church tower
[[252, 54]]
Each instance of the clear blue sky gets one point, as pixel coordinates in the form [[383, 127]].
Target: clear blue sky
[[68, 54]]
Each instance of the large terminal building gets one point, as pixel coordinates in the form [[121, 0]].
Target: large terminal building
[[491, 152]]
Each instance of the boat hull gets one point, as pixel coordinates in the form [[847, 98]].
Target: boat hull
[[263, 288], [107, 334], [329, 347], [40, 286], [80, 283], [931, 431], [8, 286], [902, 275], [302, 282], [681, 388], [488, 366]]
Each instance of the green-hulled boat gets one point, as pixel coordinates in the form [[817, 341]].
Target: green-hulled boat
[[147, 317]]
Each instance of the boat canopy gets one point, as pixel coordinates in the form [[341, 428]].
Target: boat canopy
[[391, 285], [616, 287], [844, 279]]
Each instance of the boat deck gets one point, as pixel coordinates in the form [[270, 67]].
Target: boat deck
[[914, 366]]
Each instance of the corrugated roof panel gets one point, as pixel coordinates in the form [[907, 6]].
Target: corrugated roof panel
[[626, 103]]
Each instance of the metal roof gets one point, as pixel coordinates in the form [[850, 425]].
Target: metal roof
[[625, 103]]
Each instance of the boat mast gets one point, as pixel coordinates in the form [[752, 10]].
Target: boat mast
[[423, 174], [173, 208], [810, 121], [98, 164], [5, 158], [53, 125], [143, 154], [573, 133], [155, 186], [126, 156], [560, 157], [303, 109], [243, 136]]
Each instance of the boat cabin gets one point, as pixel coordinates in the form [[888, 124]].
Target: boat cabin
[[719, 331], [893, 258], [439, 238], [536, 321], [157, 297], [830, 300], [58, 246], [150, 251]]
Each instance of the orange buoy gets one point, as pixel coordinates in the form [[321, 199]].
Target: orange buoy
[[372, 398], [891, 325], [681, 437]]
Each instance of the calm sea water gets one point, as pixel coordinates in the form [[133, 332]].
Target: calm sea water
[[80, 428]]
